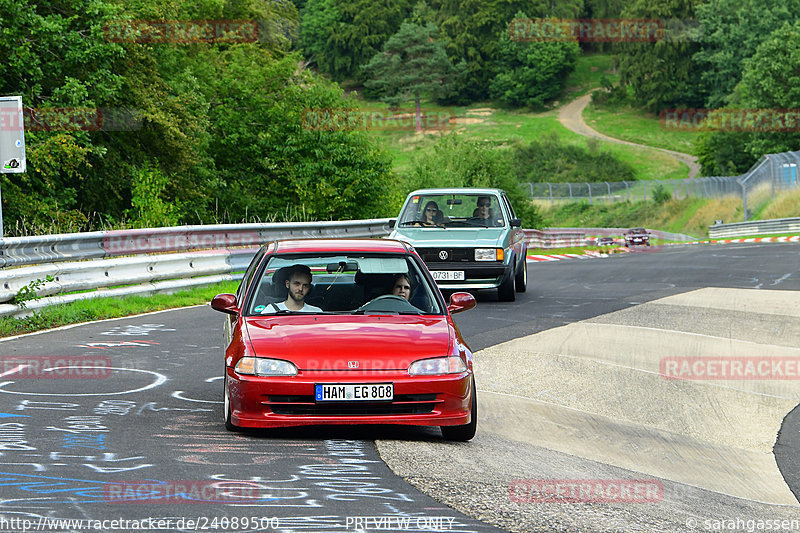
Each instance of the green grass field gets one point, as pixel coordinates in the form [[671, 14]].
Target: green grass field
[[487, 122], [637, 126]]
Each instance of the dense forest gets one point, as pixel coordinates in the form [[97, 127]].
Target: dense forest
[[153, 113]]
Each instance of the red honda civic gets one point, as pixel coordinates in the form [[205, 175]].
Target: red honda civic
[[335, 331]]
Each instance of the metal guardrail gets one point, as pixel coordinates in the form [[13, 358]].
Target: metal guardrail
[[758, 227], [618, 232], [156, 262], [146, 261], [17, 251], [555, 238]]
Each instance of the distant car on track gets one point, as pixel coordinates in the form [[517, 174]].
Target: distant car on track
[[469, 238], [606, 241], [360, 356], [636, 236]]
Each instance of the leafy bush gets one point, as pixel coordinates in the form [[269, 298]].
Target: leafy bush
[[27, 292], [458, 162], [550, 160], [660, 195], [531, 73]]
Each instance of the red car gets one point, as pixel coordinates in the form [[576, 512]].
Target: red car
[[334, 331]]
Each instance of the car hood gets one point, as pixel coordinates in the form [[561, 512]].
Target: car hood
[[451, 237], [334, 342]]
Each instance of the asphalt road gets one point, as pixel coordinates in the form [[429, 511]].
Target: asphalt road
[[144, 441]]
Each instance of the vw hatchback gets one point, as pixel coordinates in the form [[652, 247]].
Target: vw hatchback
[[469, 238], [330, 331]]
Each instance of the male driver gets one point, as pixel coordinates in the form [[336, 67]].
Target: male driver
[[299, 284], [483, 213]]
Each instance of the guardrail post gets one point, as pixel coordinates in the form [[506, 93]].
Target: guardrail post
[[590, 192], [744, 200]]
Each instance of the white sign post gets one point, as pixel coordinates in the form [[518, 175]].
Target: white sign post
[[12, 140]]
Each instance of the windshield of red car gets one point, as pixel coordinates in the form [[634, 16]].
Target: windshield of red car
[[346, 284]]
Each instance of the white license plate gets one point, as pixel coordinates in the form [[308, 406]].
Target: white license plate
[[353, 392], [448, 275]]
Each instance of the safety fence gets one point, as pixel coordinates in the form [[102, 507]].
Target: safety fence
[[769, 176]]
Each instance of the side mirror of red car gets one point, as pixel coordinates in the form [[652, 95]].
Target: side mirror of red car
[[461, 301], [225, 303]]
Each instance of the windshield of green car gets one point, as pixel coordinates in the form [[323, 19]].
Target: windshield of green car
[[452, 210]]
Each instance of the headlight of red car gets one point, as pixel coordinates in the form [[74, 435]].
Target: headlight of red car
[[263, 366], [437, 366]]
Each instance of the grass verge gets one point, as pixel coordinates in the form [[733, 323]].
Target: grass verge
[[102, 308], [634, 125]]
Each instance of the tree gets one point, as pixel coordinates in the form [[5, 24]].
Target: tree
[[270, 157], [770, 82], [412, 64], [662, 73], [56, 57], [319, 18], [531, 73], [458, 162], [471, 27], [730, 31], [341, 36]]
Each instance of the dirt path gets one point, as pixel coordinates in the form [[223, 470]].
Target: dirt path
[[571, 116]]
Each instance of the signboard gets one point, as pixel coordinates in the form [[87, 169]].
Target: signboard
[[12, 135]]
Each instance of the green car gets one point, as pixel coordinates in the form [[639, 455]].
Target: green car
[[468, 238]]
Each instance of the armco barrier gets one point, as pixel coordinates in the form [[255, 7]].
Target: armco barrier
[[618, 232], [758, 227], [88, 261], [145, 261], [17, 251], [554, 238]]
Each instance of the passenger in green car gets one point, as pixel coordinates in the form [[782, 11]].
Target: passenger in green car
[[431, 216]]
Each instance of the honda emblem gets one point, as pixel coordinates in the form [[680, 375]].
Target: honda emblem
[[352, 364]]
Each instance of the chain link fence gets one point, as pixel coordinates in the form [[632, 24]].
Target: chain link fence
[[771, 174]]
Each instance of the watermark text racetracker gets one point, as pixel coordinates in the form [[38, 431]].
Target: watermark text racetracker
[[731, 120], [182, 31], [328, 119], [586, 491], [16, 367], [71, 119], [733, 368]]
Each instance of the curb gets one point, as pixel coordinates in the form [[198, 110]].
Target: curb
[[793, 238], [559, 257]]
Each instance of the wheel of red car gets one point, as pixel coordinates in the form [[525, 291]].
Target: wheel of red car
[[227, 407], [467, 431]]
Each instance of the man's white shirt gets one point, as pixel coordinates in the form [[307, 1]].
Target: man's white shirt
[[281, 306]]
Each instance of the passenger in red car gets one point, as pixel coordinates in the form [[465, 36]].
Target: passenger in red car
[[402, 286], [299, 285]]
